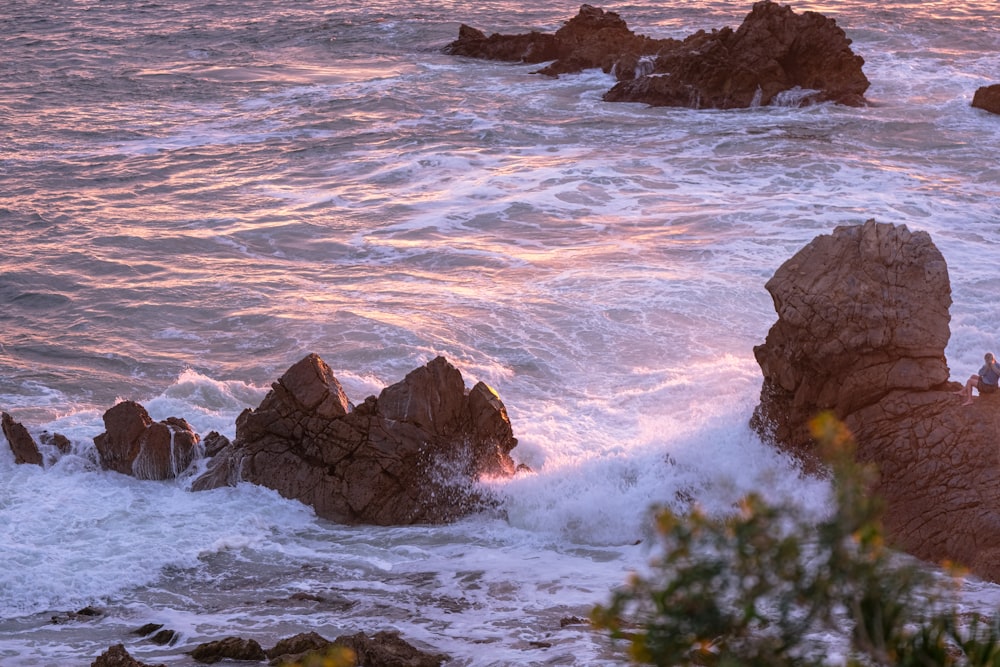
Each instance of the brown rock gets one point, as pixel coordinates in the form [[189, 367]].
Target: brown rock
[[133, 444], [775, 51], [230, 648], [775, 55], [297, 645], [410, 456], [117, 656], [21, 443], [861, 331], [987, 98], [387, 649]]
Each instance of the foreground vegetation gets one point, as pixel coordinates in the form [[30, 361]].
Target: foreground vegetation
[[767, 587]]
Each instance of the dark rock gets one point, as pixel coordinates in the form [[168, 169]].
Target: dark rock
[[987, 98], [387, 649], [410, 456], [133, 444], [230, 648], [863, 319], [775, 56], [297, 645], [117, 656], [593, 38], [57, 440], [21, 443], [147, 629]]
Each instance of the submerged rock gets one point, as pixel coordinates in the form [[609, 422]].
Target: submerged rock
[[412, 455], [21, 443], [987, 98], [863, 322], [775, 56], [133, 444]]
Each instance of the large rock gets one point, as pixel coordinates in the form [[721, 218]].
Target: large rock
[[593, 38], [863, 319], [412, 455], [21, 443], [133, 444], [987, 98], [776, 55]]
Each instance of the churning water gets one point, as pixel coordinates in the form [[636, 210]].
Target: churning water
[[194, 195]]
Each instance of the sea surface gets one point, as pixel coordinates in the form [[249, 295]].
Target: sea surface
[[195, 195]]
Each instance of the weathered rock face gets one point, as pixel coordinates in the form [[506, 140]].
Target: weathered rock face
[[775, 55], [133, 444], [861, 331], [774, 51], [861, 312], [21, 443], [988, 98], [409, 456]]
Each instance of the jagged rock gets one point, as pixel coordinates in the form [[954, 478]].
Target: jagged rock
[[21, 443], [987, 98], [775, 55], [230, 648], [117, 656], [593, 38], [133, 444], [409, 456], [804, 58], [387, 649], [863, 317]]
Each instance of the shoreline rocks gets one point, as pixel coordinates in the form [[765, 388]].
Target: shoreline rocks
[[863, 317], [775, 56], [411, 455], [414, 454]]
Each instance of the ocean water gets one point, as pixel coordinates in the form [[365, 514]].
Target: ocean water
[[193, 196]]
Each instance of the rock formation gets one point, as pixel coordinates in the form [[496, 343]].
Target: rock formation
[[21, 443], [863, 317], [776, 55], [117, 656], [987, 98], [133, 444], [411, 455]]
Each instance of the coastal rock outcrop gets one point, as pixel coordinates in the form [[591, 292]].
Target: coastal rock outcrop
[[863, 321], [21, 443], [117, 656], [412, 455], [775, 56], [987, 98], [133, 444]]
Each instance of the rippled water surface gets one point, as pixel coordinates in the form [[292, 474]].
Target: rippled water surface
[[195, 195]]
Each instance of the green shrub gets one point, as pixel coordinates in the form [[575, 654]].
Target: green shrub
[[762, 587]]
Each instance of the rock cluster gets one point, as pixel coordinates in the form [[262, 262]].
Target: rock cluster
[[863, 317], [382, 649], [776, 55], [412, 455]]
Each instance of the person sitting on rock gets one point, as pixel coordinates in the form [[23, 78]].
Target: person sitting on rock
[[986, 381]]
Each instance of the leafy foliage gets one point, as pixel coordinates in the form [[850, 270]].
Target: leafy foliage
[[762, 587]]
